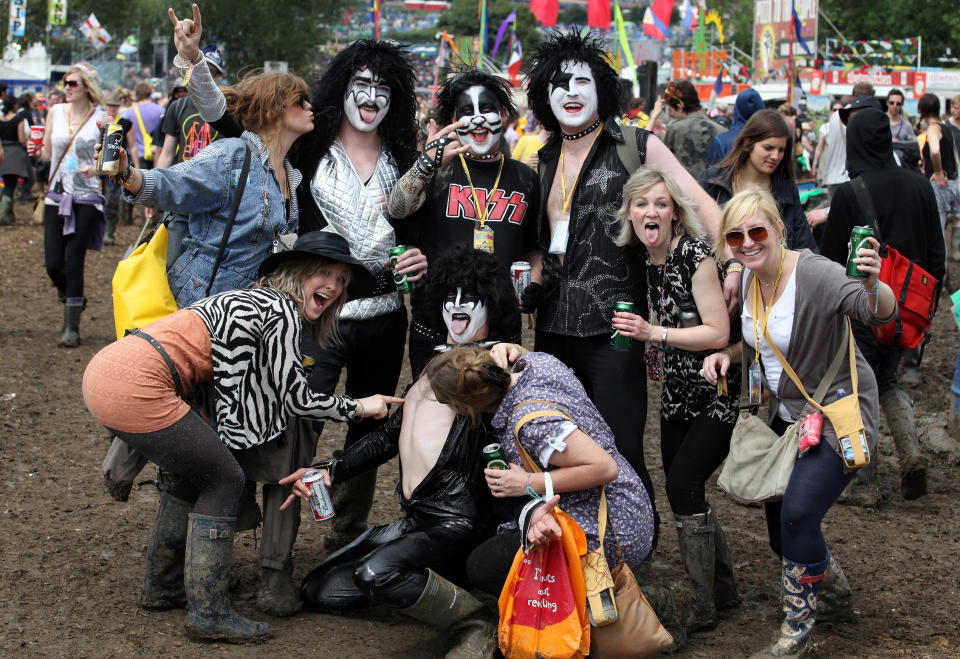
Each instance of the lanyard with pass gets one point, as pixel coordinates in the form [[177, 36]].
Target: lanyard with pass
[[558, 241], [482, 234], [762, 315]]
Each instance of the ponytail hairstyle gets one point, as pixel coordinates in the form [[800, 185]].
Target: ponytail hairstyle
[[468, 380]]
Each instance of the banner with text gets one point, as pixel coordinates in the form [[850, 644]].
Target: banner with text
[[773, 31]]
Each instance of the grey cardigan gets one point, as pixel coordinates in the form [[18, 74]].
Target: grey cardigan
[[825, 296]]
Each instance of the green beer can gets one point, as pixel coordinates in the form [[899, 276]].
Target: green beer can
[[858, 237], [617, 341], [403, 285], [494, 457]]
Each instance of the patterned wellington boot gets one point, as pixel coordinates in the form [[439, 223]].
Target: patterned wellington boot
[[798, 596]]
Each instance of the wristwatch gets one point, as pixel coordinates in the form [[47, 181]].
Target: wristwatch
[[663, 337]]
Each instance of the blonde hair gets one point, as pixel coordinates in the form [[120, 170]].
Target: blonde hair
[[259, 100], [288, 277], [743, 206], [468, 380], [641, 182], [90, 80]]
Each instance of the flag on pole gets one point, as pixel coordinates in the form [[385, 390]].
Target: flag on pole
[[546, 11], [624, 42], [94, 32], [656, 19], [129, 46], [57, 12], [18, 18], [798, 27], [717, 90], [375, 9], [598, 14], [507, 22], [516, 59], [691, 15], [482, 15]]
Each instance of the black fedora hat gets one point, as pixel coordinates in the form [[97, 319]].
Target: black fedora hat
[[328, 245], [858, 103]]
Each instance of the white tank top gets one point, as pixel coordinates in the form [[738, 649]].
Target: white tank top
[[779, 327]]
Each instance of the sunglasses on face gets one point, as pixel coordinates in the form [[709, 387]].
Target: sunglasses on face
[[897, 103], [71, 83], [736, 238], [303, 101]]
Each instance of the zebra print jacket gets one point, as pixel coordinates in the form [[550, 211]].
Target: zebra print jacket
[[258, 375]]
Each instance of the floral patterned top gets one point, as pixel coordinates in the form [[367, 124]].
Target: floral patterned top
[[545, 378], [686, 394]]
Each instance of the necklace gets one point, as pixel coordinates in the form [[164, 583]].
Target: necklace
[[585, 131], [487, 156], [765, 284]]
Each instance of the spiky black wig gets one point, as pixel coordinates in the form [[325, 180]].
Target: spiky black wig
[[479, 273], [558, 48], [464, 80], [398, 130]]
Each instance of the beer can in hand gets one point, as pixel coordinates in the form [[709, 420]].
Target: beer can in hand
[[618, 341], [111, 141], [494, 457], [858, 239], [403, 285], [520, 273], [320, 502]]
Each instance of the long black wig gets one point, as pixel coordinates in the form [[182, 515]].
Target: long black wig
[[397, 131], [479, 273], [558, 48], [464, 80]]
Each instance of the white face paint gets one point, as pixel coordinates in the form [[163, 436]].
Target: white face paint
[[479, 111], [573, 96], [367, 100], [464, 315]]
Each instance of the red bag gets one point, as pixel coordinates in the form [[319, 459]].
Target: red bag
[[916, 293], [915, 288], [543, 604]]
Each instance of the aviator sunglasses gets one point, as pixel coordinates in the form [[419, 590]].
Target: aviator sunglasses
[[303, 101], [736, 238]]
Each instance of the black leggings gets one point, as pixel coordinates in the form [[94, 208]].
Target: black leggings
[[10, 184], [816, 483], [192, 449], [64, 256], [488, 566], [388, 565], [691, 451]]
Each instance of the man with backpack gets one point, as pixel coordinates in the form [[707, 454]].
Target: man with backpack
[[908, 221]]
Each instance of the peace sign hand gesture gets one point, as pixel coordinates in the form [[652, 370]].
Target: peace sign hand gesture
[[186, 34]]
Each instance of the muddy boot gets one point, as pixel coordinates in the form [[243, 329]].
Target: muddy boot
[[352, 500], [725, 594], [664, 604], [6, 210], [277, 596], [912, 374], [446, 605], [898, 411], [207, 580], [697, 551], [955, 243], [863, 491], [108, 237], [835, 599], [163, 584], [798, 597], [71, 325]]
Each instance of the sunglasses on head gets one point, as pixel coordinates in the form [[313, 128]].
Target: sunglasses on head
[[736, 238], [71, 83]]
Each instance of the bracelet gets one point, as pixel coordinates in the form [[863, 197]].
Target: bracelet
[[729, 352], [875, 292], [360, 410], [663, 337], [529, 476], [124, 178], [425, 163]]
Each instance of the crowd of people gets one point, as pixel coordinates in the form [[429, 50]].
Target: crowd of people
[[284, 204]]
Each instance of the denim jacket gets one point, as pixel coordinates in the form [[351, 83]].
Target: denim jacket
[[203, 188]]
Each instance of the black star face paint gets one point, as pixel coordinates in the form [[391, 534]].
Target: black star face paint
[[573, 96], [366, 101], [477, 108]]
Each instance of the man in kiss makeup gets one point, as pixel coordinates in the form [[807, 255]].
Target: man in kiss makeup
[[573, 92], [465, 188], [364, 137]]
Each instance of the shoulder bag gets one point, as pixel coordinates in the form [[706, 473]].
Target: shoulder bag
[[915, 288], [760, 462], [147, 137]]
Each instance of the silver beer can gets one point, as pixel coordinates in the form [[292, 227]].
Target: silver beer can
[[320, 502]]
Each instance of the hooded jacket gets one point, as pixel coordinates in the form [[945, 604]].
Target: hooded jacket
[[906, 206], [748, 102]]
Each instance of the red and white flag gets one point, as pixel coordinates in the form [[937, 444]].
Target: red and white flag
[[94, 32], [516, 59]]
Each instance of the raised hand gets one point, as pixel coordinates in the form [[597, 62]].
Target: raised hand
[[186, 34]]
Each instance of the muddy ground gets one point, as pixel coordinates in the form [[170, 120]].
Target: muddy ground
[[71, 558]]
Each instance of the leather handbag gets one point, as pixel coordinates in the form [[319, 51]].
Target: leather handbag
[[760, 462], [637, 631]]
